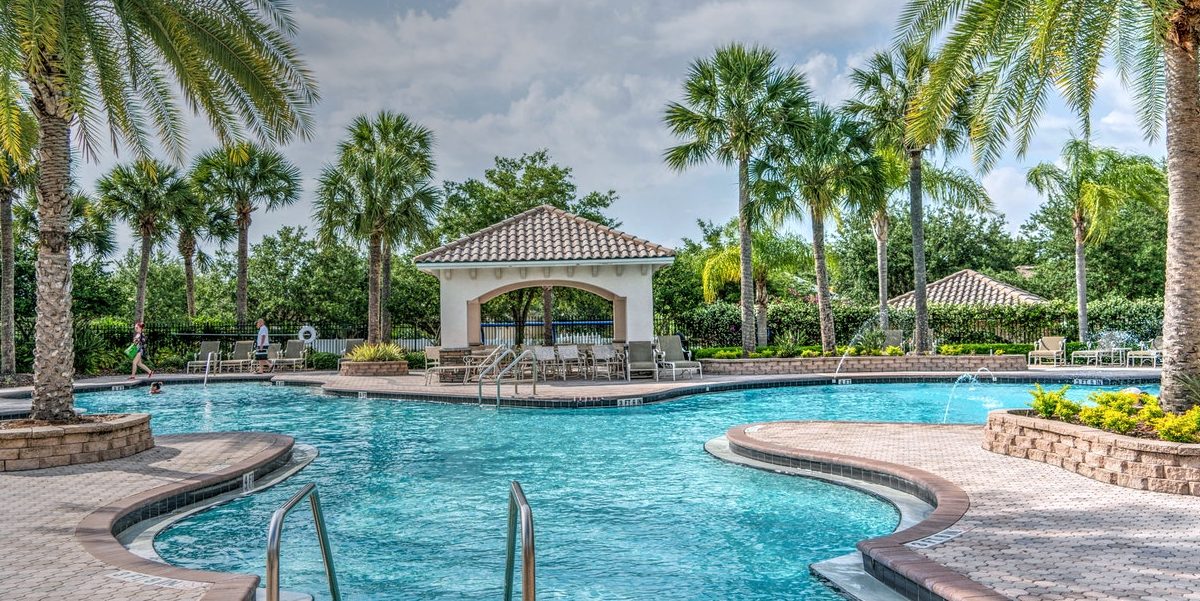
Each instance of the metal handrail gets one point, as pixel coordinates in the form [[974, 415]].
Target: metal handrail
[[495, 364], [500, 376], [518, 506], [275, 531], [207, 365]]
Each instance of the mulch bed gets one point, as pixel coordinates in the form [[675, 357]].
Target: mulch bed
[[82, 419], [16, 380]]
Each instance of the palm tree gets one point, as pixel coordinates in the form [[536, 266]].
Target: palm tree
[[734, 103], [146, 195], [942, 183], [812, 172], [91, 232], [886, 88], [379, 191], [1026, 47], [16, 172], [246, 176], [195, 221], [91, 63], [776, 256], [1095, 183]]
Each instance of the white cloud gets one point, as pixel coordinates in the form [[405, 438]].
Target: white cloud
[[1011, 196]]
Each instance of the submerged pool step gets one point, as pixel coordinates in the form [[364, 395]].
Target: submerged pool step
[[261, 595]]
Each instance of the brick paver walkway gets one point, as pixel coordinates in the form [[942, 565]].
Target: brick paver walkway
[[40, 509], [1033, 531]]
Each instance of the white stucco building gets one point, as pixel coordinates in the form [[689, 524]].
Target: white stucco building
[[546, 246]]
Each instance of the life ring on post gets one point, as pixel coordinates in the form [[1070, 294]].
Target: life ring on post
[[308, 334]]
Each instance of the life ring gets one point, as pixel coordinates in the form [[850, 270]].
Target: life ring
[[308, 334]]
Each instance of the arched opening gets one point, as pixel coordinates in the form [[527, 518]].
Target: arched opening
[[527, 327]]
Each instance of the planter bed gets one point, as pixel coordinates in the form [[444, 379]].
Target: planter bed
[[1144, 464], [54, 446], [373, 368], [904, 363]]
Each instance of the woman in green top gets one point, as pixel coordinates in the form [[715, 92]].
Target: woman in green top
[[139, 340]]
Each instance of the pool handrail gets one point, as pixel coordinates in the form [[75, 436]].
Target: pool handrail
[[527, 353], [275, 532], [487, 368], [519, 507]]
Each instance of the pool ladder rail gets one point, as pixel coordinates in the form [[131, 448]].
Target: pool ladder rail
[[275, 533], [208, 362], [502, 370], [520, 517]]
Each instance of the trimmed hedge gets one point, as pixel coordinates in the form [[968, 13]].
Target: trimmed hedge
[[797, 324]]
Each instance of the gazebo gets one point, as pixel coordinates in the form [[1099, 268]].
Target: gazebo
[[545, 246]]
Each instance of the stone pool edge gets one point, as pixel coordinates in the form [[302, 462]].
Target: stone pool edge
[[888, 559], [98, 531]]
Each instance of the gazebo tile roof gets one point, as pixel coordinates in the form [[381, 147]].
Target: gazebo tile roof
[[969, 287], [544, 233]]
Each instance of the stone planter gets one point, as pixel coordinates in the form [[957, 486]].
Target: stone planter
[[373, 368], [54, 446], [1139, 463], [828, 365]]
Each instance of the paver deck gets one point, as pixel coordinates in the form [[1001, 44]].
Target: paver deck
[[40, 511], [1033, 531]]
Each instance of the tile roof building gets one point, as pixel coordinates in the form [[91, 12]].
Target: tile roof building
[[545, 246], [969, 287]]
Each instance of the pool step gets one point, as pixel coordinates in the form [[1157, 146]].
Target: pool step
[[261, 595]]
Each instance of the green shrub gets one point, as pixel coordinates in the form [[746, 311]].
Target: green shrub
[[323, 361], [416, 359], [985, 349], [384, 351], [808, 354], [728, 354], [1183, 427], [710, 352], [169, 360], [1054, 404], [893, 351]]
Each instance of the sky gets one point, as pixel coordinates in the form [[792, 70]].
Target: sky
[[588, 80]]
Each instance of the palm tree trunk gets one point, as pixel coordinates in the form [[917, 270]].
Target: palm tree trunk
[[385, 293], [760, 301], [54, 348], [548, 315], [8, 352], [139, 310], [1081, 294], [374, 279], [187, 250], [747, 267], [916, 215], [243, 257], [879, 224], [1181, 320], [824, 306]]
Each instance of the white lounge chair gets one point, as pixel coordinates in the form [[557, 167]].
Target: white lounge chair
[[201, 361], [292, 356], [641, 357], [241, 358], [1049, 347], [1153, 354], [604, 357], [676, 359], [569, 359]]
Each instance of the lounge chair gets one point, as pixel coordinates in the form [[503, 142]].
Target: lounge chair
[[641, 357], [569, 358], [547, 361], [241, 358], [433, 356], [1152, 354], [292, 356], [604, 356], [201, 361], [676, 359], [1049, 347], [1105, 347]]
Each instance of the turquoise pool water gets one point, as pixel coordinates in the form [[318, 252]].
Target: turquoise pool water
[[627, 504]]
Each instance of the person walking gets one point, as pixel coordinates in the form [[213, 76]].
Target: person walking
[[139, 341], [261, 344]]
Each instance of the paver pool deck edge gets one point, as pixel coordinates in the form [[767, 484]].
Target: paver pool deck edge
[[887, 558], [95, 532]]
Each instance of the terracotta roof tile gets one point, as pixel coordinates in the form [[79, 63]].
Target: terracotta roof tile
[[969, 287], [544, 233]]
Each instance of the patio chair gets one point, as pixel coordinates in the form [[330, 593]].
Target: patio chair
[[641, 357], [201, 360], [676, 359], [1153, 353], [604, 356], [569, 358], [1049, 347], [546, 360], [433, 356], [292, 356], [893, 338], [241, 358], [1093, 354]]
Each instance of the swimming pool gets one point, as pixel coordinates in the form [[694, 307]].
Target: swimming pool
[[627, 504]]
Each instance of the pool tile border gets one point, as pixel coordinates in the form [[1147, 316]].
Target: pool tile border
[[887, 558], [98, 531]]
